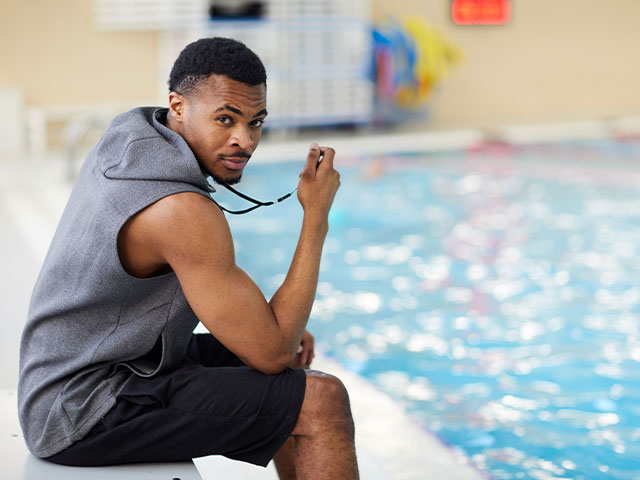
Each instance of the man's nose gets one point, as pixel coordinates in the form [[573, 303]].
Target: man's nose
[[241, 137]]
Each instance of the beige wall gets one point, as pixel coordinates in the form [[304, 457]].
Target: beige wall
[[52, 52], [557, 60]]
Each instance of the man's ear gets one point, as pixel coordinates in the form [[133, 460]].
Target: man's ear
[[176, 106]]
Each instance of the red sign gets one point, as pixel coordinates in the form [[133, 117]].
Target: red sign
[[481, 12]]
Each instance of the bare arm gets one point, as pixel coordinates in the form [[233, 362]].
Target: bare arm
[[292, 302], [189, 233]]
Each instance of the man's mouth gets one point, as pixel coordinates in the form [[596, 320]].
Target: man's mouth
[[234, 163]]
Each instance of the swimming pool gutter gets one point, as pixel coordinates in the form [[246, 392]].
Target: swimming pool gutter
[[273, 149], [359, 145]]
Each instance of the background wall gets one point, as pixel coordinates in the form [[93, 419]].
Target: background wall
[[52, 52], [574, 59], [555, 61]]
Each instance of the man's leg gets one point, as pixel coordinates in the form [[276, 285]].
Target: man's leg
[[323, 393], [324, 433], [191, 412], [285, 460]]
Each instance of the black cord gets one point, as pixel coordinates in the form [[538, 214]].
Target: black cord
[[257, 203]]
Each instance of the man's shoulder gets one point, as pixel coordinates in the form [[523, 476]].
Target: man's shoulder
[[187, 204], [177, 227], [185, 215], [185, 207]]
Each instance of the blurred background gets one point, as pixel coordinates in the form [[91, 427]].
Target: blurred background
[[550, 62], [481, 271]]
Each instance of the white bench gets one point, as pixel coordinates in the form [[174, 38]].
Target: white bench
[[19, 464]]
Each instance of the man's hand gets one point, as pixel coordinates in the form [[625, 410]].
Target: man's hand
[[305, 353], [319, 182]]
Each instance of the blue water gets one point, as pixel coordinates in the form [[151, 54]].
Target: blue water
[[494, 293]]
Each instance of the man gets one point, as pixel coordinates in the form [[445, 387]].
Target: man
[[110, 371]]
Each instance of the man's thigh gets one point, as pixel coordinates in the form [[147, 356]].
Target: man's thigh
[[195, 411]]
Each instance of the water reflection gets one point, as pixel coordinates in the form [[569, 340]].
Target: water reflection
[[498, 299]]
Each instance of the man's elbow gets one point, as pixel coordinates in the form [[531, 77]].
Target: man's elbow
[[271, 364]]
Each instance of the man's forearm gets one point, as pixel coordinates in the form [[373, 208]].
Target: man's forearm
[[292, 302]]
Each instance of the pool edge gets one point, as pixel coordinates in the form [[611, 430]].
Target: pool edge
[[389, 437]]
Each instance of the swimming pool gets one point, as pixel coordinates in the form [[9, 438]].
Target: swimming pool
[[495, 293]]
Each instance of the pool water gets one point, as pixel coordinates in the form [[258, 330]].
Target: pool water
[[495, 293]]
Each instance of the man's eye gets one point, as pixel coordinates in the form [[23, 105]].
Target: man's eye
[[225, 120], [257, 123]]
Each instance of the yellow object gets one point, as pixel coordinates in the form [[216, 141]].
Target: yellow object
[[434, 55]]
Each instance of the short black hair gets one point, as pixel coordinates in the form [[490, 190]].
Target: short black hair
[[217, 55]]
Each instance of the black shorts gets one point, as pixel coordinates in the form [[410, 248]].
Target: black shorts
[[211, 405]]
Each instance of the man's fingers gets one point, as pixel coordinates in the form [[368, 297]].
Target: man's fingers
[[306, 360], [313, 156], [309, 169], [327, 156], [309, 354]]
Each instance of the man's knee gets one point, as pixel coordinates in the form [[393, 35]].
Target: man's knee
[[325, 405]]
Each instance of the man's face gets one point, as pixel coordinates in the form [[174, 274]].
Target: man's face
[[222, 123]]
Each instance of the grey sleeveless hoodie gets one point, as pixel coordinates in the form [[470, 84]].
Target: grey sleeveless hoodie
[[91, 325]]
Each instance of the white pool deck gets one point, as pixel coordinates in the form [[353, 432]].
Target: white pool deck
[[390, 444]]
